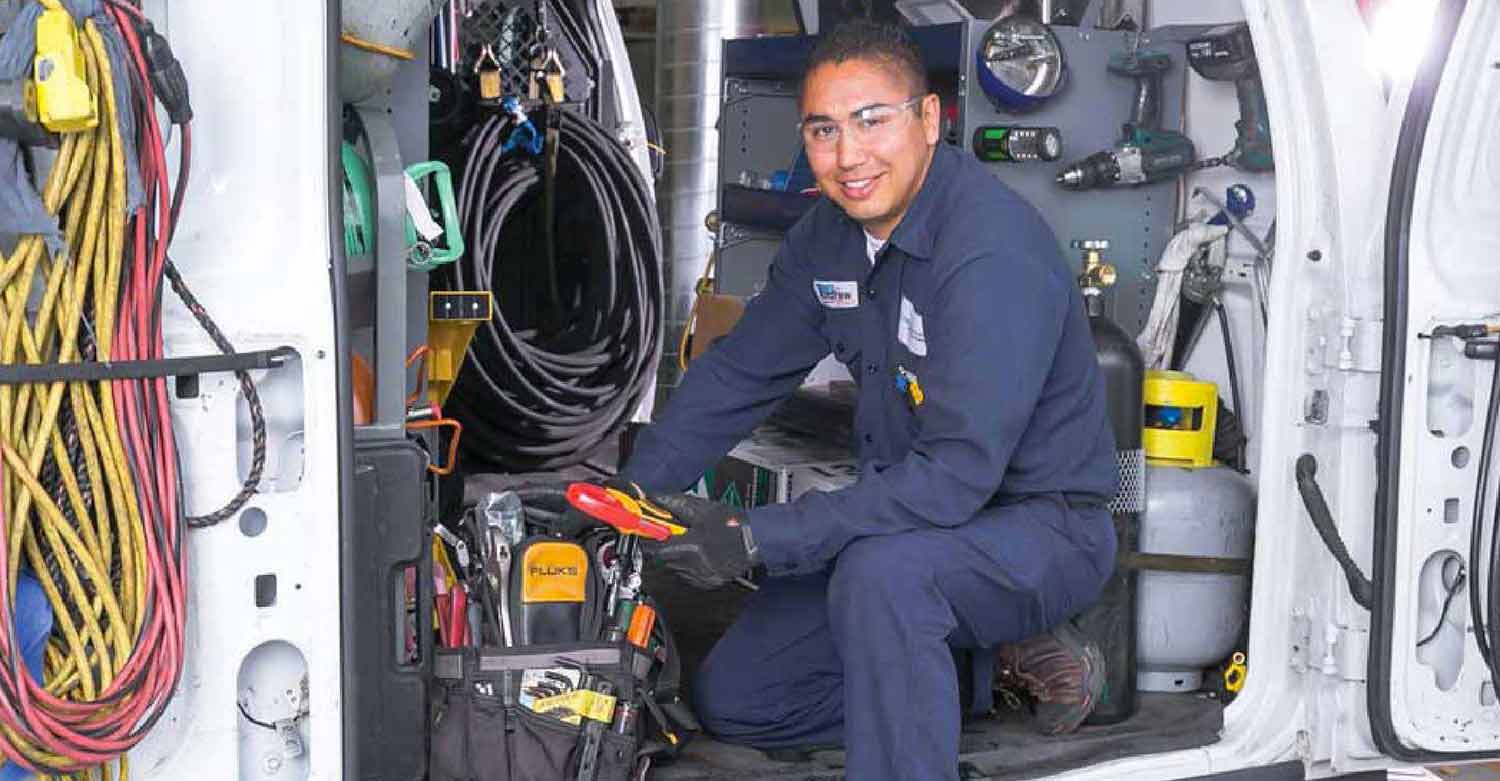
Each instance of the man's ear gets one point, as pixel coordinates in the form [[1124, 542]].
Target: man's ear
[[932, 118]]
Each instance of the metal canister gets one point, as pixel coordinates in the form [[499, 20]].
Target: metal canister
[[1110, 622]]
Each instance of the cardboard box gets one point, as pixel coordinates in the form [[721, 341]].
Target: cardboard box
[[775, 465], [830, 476], [716, 316]]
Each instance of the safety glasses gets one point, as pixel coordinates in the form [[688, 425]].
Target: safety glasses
[[866, 125]]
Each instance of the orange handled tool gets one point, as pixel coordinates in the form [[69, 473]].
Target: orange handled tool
[[642, 621], [627, 514]]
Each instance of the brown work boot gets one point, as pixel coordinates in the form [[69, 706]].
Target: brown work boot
[[1062, 671]]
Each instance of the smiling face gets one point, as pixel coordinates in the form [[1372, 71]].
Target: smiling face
[[874, 175]]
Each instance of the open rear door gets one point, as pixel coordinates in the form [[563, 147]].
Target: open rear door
[[1431, 693]]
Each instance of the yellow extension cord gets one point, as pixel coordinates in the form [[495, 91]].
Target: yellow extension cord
[[86, 187]]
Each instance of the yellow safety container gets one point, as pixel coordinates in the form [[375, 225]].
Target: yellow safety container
[[1181, 412]]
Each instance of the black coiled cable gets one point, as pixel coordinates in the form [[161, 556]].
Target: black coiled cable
[[543, 390]]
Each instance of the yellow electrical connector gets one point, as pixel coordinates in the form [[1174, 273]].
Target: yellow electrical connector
[[452, 318], [63, 99]]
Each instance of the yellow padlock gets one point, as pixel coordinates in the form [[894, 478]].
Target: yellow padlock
[[63, 99], [487, 67], [554, 74], [489, 85], [1234, 674]]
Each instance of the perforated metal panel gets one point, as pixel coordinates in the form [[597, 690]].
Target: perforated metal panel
[[517, 32], [757, 133], [1137, 221], [511, 32], [1131, 496]]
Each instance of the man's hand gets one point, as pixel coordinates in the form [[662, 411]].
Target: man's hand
[[716, 549]]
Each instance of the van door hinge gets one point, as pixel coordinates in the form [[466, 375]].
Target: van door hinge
[[1301, 637], [1357, 345], [1315, 347], [1347, 652]]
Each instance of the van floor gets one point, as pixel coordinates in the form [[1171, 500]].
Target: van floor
[[1003, 747]]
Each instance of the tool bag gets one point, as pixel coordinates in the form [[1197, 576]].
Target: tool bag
[[486, 729], [568, 699]]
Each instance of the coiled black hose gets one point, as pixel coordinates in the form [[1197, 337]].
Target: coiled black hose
[[541, 390]]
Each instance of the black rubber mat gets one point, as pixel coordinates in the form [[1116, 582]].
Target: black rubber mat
[[1002, 748]]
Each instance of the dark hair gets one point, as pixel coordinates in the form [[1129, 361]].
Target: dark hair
[[864, 40]]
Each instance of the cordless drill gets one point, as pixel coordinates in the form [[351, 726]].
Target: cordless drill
[[1146, 152], [1226, 53]]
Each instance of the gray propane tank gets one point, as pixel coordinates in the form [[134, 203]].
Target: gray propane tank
[[1186, 621]]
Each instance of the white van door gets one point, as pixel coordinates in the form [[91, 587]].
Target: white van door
[[1431, 673]]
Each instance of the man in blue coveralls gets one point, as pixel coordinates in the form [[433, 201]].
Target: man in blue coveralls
[[979, 519]]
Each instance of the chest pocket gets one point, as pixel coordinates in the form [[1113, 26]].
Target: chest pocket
[[910, 350], [913, 312], [911, 330]]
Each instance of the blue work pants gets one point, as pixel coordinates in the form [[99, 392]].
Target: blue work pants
[[861, 654]]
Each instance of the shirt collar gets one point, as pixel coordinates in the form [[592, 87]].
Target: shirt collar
[[914, 234]]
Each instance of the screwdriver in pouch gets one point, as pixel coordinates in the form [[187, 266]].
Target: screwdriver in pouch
[[622, 590], [625, 717], [593, 732]]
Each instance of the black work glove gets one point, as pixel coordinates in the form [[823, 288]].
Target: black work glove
[[715, 549]]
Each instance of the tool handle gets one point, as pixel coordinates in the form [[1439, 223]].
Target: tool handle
[[642, 621], [453, 236], [598, 503], [1252, 142], [593, 741], [1145, 110]]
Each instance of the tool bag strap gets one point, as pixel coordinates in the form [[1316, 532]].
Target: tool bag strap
[[669, 713]]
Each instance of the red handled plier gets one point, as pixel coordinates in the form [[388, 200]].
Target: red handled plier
[[627, 514]]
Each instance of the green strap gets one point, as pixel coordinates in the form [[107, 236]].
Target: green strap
[[1167, 562]]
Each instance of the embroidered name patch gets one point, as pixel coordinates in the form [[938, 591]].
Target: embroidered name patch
[[837, 295]]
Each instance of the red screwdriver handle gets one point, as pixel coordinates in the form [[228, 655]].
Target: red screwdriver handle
[[598, 503]]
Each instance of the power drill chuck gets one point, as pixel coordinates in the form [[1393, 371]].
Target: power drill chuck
[[1099, 169]]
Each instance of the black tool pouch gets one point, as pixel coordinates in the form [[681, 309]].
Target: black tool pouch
[[485, 729], [565, 699]]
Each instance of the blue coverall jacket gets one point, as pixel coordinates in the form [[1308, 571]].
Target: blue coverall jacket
[[977, 519]]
